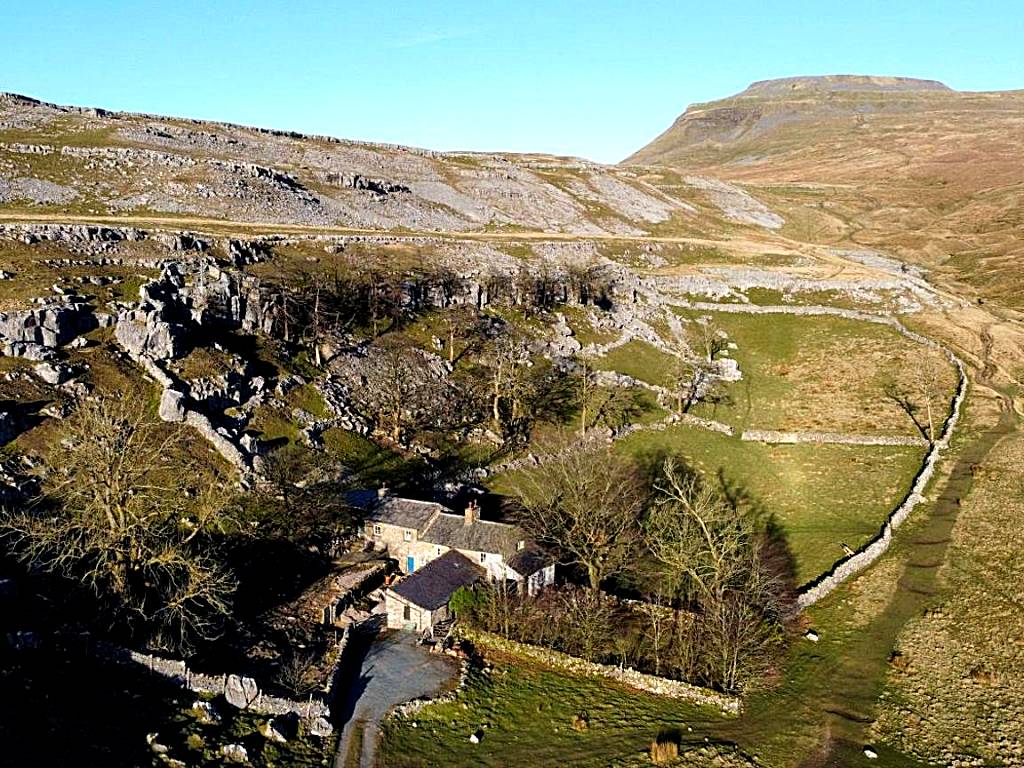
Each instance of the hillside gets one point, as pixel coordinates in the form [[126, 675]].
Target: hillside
[[906, 165], [769, 297], [91, 161]]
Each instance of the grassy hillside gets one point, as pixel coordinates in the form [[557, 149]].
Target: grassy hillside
[[931, 174]]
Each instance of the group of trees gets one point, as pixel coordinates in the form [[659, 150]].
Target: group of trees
[[169, 552], [715, 599], [118, 516], [315, 302]]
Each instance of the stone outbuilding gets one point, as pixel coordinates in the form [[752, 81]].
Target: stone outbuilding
[[420, 601]]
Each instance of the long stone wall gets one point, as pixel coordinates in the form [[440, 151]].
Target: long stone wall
[[242, 692], [660, 686], [826, 438]]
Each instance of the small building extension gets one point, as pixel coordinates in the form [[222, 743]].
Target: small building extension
[[420, 601]]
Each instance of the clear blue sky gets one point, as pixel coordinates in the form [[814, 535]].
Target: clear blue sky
[[597, 79]]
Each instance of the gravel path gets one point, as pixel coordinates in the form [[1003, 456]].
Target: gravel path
[[395, 669]]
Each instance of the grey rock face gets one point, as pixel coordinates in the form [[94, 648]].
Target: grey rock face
[[47, 326], [145, 334], [29, 351]]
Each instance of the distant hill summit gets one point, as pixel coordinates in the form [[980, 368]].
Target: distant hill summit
[[911, 166], [837, 83], [772, 120]]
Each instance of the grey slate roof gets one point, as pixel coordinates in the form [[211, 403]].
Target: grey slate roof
[[407, 513], [528, 561], [451, 531], [434, 584]]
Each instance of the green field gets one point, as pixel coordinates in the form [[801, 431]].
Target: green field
[[819, 373], [823, 496], [525, 714]]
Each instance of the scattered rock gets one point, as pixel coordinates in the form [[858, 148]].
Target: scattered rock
[[172, 405], [53, 373], [235, 753]]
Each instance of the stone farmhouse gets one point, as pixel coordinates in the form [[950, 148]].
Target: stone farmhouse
[[419, 534]]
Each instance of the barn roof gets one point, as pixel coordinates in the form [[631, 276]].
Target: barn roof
[[434, 584]]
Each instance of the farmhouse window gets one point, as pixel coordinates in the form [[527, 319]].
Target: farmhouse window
[[407, 613], [483, 557], [377, 530], [407, 535]]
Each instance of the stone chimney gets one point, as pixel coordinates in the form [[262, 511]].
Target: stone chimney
[[472, 513], [382, 492]]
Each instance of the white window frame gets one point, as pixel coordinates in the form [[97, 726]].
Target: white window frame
[[406, 535], [483, 557], [377, 529]]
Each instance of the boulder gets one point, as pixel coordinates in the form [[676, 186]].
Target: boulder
[[240, 691], [172, 405], [321, 727], [145, 334], [53, 373]]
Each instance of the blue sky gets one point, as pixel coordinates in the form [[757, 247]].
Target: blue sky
[[596, 79]]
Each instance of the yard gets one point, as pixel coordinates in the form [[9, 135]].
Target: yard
[[524, 715]]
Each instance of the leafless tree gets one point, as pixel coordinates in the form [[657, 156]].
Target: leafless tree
[[715, 554], [588, 621], [118, 516], [399, 391], [921, 395], [587, 505], [694, 373], [509, 382]]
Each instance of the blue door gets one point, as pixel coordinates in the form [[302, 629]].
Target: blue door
[[410, 564]]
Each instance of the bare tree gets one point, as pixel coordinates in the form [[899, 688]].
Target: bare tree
[[399, 391], [694, 376], [921, 395], [509, 382], [119, 517], [586, 505]]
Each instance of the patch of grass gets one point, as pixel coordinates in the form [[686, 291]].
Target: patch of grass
[[824, 374], [370, 463], [640, 360]]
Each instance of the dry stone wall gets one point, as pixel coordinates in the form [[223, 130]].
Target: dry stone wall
[[826, 438], [874, 549], [239, 691], [660, 686]]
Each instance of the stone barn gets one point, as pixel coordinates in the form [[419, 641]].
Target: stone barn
[[420, 601]]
